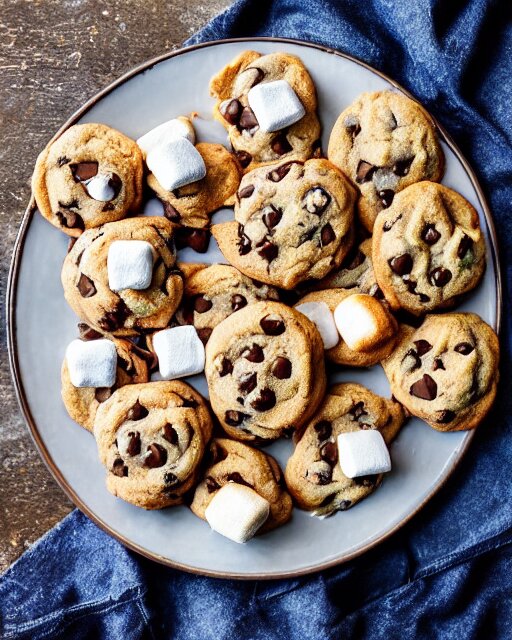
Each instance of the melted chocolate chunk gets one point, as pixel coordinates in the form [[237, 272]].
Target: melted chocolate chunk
[[244, 243], [70, 220], [170, 434], [234, 476], [413, 356], [84, 170], [216, 453], [112, 320], [247, 382], [280, 145], [234, 418], [281, 368], [248, 119], [268, 251], [197, 239], [272, 325], [440, 276], [430, 234], [202, 305], [366, 481], [119, 468], [246, 192], [171, 213], [438, 364], [401, 265], [386, 197], [253, 354], [211, 484], [425, 388], [101, 394], [465, 245], [316, 200], [155, 457], [238, 302], [327, 235], [353, 128], [86, 286], [265, 401], [231, 111], [244, 158], [271, 216], [276, 175], [226, 367], [401, 167], [464, 348], [365, 172], [133, 448], [329, 453], [204, 334], [323, 430], [422, 347], [137, 412], [322, 477], [445, 416], [171, 479], [88, 333], [358, 411]]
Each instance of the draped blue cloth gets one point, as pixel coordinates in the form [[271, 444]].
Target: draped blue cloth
[[448, 572]]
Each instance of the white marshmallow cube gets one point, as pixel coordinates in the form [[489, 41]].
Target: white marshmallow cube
[[237, 512], [363, 453], [92, 363], [321, 315], [176, 164], [362, 322], [167, 132], [100, 188], [275, 105], [130, 265], [180, 352]]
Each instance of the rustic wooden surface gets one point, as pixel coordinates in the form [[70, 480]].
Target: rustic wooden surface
[[54, 55]]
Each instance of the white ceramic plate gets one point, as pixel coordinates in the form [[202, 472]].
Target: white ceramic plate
[[41, 325]]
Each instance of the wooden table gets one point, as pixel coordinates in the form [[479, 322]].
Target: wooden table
[[54, 55]]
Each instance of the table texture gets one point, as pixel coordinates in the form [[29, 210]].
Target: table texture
[[55, 55]]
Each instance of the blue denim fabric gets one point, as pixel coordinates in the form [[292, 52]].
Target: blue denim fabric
[[446, 574]]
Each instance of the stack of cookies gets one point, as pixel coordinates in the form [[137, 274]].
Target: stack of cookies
[[349, 260]]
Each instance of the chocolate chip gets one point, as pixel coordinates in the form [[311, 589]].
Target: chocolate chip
[[260, 74], [272, 325], [86, 286], [211, 484], [204, 334], [112, 320], [226, 367], [322, 477], [423, 297], [464, 348], [171, 479], [216, 453], [401, 265], [344, 505], [244, 243], [323, 429], [238, 302], [425, 388], [155, 457], [271, 216], [276, 175], [197, 239], [243, 158], [102, 394], [366, 481], [70, 220], [445, 416], [268, 251], [376, 292], [329, 453], [248, 382], [440, 276], [327, 235], [422, 347], [246, 192], [171, 213], [115, 183], [316, 200], [119, 468], [234, 476], [353, 128], [265, 401], [465, 245], [430, 234], [281, 368], [401, 167], [358, 411], [438, 364], [137, 412], [253, 354], [386, 197], [133, 448], [231, 111], [234, 418], [365, 171], [88, 333], [62, 161], [202, 305], [187, 402], [280, 145], [413, 360], [389, 223], [170, 434], [248, 119], [84, 170]]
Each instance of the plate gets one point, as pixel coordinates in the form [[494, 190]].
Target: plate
[[41, 324]]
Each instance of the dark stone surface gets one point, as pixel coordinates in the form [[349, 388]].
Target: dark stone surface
[[54, 55]]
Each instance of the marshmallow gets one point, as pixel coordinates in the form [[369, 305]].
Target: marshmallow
[[101, 188], [176, 164], [275, 105], [363, 453], [92, 363], [237, 512], [180, 352], [363, 322], [130, 265], [321, 315], [167, 132]]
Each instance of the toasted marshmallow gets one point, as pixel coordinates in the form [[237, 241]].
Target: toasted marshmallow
[[363, 323]]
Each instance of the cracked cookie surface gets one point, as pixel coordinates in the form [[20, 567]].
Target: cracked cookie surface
[[65, 170]]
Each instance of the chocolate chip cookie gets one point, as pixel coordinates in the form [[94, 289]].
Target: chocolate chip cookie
[[385, 142], [313, 475], [251, 145], [446, 371], [230, 461], [151, 439], [192, 204], [265, 371], [90, 175], [294, 222], [82, 402], [213, 293], [341, 353], [127, 312], [428, 248]]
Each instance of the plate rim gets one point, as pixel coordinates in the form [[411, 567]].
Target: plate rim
[[12, 347]]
